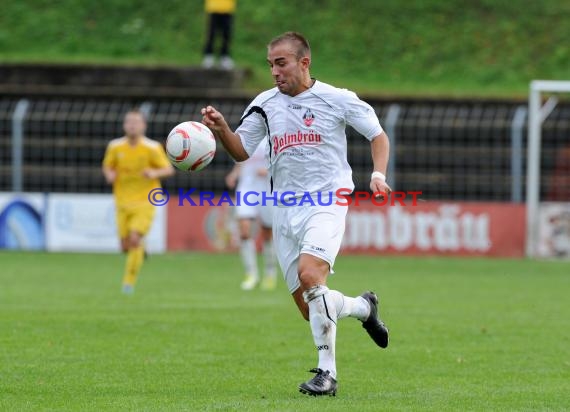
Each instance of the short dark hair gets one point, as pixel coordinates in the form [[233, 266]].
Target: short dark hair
[[303, 49]]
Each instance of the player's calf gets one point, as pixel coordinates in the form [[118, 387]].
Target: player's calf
[[301, 304]]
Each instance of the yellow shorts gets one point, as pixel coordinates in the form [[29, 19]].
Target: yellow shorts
[[138, 219]]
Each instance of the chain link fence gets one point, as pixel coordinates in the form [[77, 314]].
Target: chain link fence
[[449, 150]]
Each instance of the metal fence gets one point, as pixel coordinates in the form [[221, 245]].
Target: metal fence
[[450, 150]]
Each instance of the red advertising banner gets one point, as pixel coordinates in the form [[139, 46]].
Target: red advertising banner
[[204, 228], [484, 229], [429, 228]]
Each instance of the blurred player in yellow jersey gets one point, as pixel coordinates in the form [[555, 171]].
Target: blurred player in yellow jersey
[[134, 165]]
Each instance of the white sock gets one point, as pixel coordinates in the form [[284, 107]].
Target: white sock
[[345, 306], [248, 257], [269, 259], [322, 318]]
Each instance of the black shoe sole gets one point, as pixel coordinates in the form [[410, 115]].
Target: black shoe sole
[[373, 325], [308, 392]]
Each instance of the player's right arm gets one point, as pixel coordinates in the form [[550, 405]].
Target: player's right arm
[[109, 165], [219, 127]]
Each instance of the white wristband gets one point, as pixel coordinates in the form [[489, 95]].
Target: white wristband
[[378, 175]]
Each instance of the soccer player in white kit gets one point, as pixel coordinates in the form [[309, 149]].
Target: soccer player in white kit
[[252, 176], [304, 122]]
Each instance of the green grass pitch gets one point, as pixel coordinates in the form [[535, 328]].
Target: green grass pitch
[[466, 334]]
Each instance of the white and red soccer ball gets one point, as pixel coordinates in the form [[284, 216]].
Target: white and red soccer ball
[[190, 146]]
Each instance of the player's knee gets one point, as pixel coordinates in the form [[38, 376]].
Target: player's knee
[[244, 229], [310, 277], [244, 233], [267, 234], [134, 240], [312, 273]]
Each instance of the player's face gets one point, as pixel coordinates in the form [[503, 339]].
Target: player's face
[[134, 125], [286, 68]]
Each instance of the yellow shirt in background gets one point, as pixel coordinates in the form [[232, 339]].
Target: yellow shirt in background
[[131, 188], [221, 6]]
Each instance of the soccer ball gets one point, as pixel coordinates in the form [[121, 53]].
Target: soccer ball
[[190, 146]]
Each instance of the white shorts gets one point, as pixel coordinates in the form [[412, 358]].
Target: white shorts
[[263, 212], [314, 230]]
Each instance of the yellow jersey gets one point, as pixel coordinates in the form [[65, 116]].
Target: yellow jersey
[[131, 188], [221, 6]]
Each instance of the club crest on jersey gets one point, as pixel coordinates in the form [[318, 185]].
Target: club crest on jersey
[[308, 118]]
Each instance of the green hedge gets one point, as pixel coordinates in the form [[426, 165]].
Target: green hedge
[[411, 47]]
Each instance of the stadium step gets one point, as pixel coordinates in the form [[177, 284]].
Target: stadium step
[[120, 81]]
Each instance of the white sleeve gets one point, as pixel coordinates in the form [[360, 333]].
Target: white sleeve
[[361, 116], [252, 130]]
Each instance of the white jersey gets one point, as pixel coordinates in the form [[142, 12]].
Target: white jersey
[[249, 178], [306, 136]]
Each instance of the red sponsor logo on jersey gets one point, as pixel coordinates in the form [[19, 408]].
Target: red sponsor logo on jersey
[[287, 140], [308, 118]]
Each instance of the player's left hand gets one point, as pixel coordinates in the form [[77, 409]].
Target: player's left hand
[[150, 173], [379, 185]]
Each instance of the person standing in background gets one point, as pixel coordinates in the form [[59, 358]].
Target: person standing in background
[[252, 176], [134, 165], [221, 14]]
